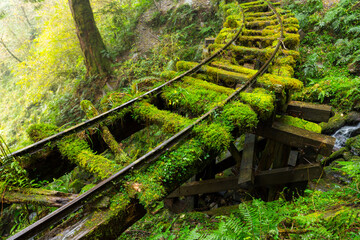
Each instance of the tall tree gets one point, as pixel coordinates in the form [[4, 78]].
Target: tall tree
[[90, 39]]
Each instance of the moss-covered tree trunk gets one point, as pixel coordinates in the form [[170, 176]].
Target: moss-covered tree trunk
[[90, 39]]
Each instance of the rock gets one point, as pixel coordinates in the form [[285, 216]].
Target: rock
[[335, 156], [354, 67], [354, 145], [347, 156], [353, 118], [334, 123]]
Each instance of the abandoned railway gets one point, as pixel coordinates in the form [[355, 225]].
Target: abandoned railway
[[243, 88]]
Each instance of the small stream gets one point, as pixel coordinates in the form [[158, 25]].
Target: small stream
[[343, 134]]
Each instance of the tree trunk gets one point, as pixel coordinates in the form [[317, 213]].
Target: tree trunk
[[90, 39]]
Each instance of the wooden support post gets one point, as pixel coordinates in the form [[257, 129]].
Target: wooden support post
[[310, 111], [297, 137], [235, 153], [246, 176], [265, 178], [109, 139]]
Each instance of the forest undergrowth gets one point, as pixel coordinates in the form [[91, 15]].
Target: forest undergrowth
[[41, 88]]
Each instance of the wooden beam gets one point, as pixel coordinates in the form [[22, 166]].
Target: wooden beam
[[297, 137], [37, 196], [246, 176], [310, 111], [264, 178]]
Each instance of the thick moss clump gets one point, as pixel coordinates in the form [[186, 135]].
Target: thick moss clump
[[273, 82], [170, 122], [229, 78], [233, 21], [197, 83], [225, 35], [169, 74], [193, 98], [89, 109], [39, 131], [214, 136], [234, 68], [260, 101], [79, 152], [300, 123], [171, 169], [240, 115]]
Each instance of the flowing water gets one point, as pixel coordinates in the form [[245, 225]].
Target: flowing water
[[343, 134]]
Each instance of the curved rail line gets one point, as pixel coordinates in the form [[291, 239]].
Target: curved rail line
[[78, 202]]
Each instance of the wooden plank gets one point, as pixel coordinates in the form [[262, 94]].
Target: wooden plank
[[264, 178], [297, 137], [293, 158], [246, 175], [235, 153], [310, 111]]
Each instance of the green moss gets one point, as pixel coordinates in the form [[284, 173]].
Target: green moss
[[262, 102], [171, 122], [354, 144], [89, 109], [274, 82], [39, 131], [213, 136], [300, 123], [169, 74], [233, 21], [194, 96], [234, 68], [225, 35], [240, 115], [79, 152], [206, 85], [114, 99], [171, 169], [229, 78]]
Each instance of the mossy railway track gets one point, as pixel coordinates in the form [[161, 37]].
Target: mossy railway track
[[203, 107]]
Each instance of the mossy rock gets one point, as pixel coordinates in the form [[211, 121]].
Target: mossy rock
[[39, 131], [335, 156], [354, 144], [334, 123]]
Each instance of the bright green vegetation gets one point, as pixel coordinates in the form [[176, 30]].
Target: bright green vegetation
[[261, 101], [316, 215], [330, 53], [300, 123]]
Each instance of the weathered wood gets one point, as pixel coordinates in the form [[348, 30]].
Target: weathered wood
[[109, 139], [37, 196], [293, 158], [297, 137], [310, 111], [264, 178], [246, 176], [235, 153], [209, 41]]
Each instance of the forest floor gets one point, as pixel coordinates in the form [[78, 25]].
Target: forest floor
[[146, 37]]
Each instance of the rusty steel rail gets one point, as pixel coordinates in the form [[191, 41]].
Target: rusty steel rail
[[78, 202]]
